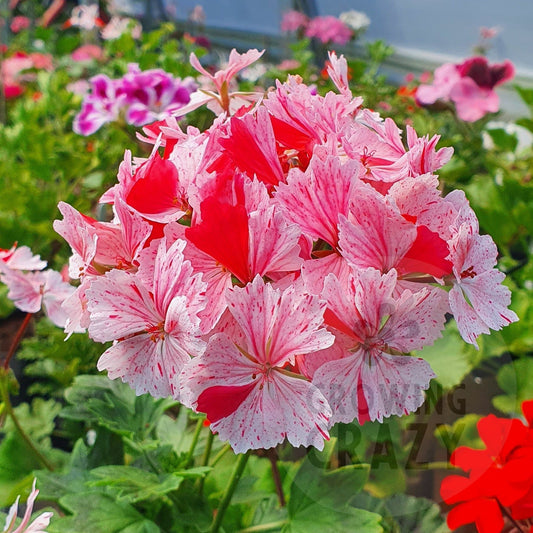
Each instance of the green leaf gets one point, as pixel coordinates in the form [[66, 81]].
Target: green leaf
[[316, 495], [449, 357], [130, 484], [115, 406], [404, 513], [503, 140], [526, 94], [99, 513], [516, 380], [463, 432]]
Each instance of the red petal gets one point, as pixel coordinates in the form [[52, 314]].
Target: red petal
[[484, 512], [219, 401], [427, 255], [156, 191], [223, 234]]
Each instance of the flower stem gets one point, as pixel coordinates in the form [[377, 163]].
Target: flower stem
[[221, 454], [264, 527], [228, 493], [4, 391], [194, 442], [16, 341], [273, 458], [205, 459], [506, 512]]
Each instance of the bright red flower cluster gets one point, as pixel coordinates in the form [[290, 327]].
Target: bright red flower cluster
[[499, 488]]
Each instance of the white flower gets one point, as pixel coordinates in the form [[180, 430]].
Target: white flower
[[356, 20]]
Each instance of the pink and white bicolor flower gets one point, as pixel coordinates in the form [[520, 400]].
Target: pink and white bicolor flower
[[363, 376], [246, 384], [152, 317]]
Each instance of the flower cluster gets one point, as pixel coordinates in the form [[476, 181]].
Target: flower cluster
[[31, 287], [328, 29], [140, 96], [20, 68], [469, 85], [500, 476], [276, 270]]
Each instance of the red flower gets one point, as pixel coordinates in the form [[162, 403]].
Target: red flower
[[500, 476]]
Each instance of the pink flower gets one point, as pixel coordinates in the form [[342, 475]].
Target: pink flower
[[37, 526], [19, 23], [221, 99], [118, 26], [362, 376], [246, 385], [469, 85], [329, 29], [85, 17], [152, 317], [21, 258], [293, 21], [87, 52]]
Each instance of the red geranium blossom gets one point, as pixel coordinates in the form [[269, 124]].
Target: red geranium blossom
[[500, 476]]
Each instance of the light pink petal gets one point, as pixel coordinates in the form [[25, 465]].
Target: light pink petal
[[469, 323], [314, 271], [420, 198], [417, 320], [143, 362], [338, 71], [364, 386], [473, 102], [273, 243], [25, 289], [135, 230], [374, 234], [38, 525], [278, 326], [22, 258], [314, 199], [56, 291], [446, 76], [120, 305]]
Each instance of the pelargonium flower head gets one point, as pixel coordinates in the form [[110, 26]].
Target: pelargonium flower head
[[329, 29], [293, 21], [469, 85], [247, 387], [153, 318], [152, 94]]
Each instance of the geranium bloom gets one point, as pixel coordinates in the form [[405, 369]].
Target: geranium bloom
[[245, 384], [19, 23], [362, 376], [30, 287], [85, 17], [293, 21], [469, 85], [500, 476], [153, 318], [87, 52], [37, 526], [329, 29], [117, 26]]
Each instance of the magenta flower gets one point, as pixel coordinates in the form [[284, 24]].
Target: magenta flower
[[469, 85], [293, 21], [329, 29], [152, 94], [87, 52]]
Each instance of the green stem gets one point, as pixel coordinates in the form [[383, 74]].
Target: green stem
[[264, 527], [221, 454], [190, 453], [9, 410], [228, 493], [205, 459], [434, 465]]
